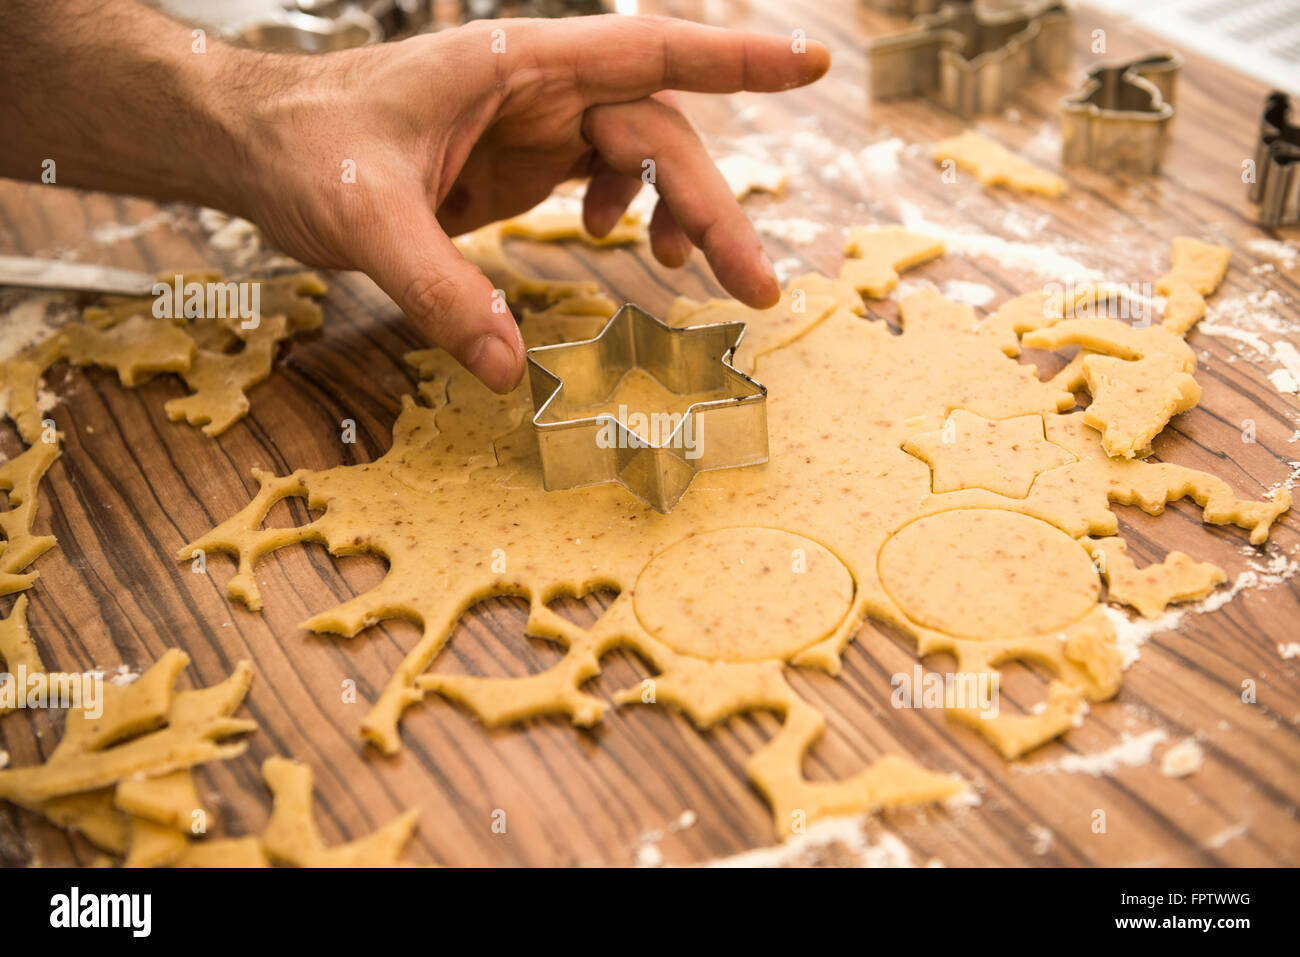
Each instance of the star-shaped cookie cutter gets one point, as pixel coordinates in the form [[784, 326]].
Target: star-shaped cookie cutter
[[1118, 121], [728, 431], [1277, 164], [972, 57]]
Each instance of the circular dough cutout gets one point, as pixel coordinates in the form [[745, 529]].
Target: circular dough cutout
[[988, 573], [743, 594]]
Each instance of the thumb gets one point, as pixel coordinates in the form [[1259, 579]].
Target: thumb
[[449, 299]]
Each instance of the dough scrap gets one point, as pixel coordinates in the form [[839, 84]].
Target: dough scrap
[[20, 477], [291, 835], [137, 348], [1139, 376], [1150, 590], [169, 800], [995, 165], [122, 335], [118, 335], [559, 217], [220, 381], [154, 732], [16, 647], [123, 779], [1197, 271], [292, 295], [838, 495], [747, 174], [877, 254], [485, 248], [799, 309], [142, 744]]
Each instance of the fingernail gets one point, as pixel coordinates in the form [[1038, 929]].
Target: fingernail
[[598, 223], [495, 363]]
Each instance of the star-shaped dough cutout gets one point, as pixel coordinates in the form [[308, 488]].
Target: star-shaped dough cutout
[[876, 255], [1001, 455]]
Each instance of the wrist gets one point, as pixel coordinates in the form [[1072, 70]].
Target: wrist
[[262, 116]]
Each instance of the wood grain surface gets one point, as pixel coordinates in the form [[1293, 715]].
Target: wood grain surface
[[132, 487]]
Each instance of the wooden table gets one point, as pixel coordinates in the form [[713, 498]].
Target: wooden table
[[132, 487]]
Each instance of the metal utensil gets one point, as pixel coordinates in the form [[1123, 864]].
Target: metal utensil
[[79, 277]]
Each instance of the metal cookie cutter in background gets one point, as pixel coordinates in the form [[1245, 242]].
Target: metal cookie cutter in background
[[1119, 119], [1277, 164], [972, 58], [727, 429]]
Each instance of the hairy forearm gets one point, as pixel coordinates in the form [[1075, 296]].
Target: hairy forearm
[[121, 98]]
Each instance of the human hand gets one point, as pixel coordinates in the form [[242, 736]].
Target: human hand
[[447, 132]]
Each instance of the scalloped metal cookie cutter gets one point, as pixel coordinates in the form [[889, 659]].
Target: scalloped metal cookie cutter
[[1118, 121], [727, 432], [1277, 164], [971, 58]]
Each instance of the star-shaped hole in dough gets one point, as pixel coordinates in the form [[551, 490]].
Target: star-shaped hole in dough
[[1001, 455]]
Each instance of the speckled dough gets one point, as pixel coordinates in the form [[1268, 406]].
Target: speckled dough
[[995, 165], [761, 569]]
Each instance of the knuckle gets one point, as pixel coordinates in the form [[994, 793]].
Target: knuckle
[[430, 297]]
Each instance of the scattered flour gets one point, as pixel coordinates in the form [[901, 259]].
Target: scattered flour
[[1288, 651], [45, 399], [106, 234], [1026, 227], [1286, 252], [1283, 380], [795, 230], [747, 174], [1042, 839], [1036, 258], [971, 293], [124, 676], [881, 159], [1131, 633], [1253, 320], [233, 235], [787, 267], [1184, 758], [1046, 142], [649, 855], [1129, 753], [1226, 835], [647, 852], [29, 321], [906, 287], [843, 833], [966, 798], [810, 154], [1291, 479]]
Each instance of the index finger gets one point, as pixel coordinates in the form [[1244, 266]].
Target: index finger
[[615, 58]]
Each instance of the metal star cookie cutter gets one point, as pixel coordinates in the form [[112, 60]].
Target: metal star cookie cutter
[[972, 58], [1119, 119], [1277, 164], [728, 431]]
